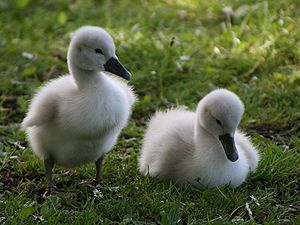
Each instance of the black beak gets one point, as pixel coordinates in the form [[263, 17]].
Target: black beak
[[114, 66], [229, 147]]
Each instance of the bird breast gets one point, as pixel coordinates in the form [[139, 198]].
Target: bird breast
[[93, 115]]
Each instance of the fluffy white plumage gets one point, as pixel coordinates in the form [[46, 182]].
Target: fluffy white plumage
[[76, 118], [185, 146]]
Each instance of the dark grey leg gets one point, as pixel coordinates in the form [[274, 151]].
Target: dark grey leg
[[98, 169], [48, 163]]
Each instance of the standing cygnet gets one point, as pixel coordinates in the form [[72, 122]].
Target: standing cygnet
[[76, 118], [202, 148]]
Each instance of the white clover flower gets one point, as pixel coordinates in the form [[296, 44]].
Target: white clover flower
[[185, 58], [280, 22], [236, 40], [40, 218], [27, 55], [254, 78], [228, 10], [285, 31], [217, 50], [97, 193], [153, 72]]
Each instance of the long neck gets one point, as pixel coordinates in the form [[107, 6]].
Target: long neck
[[208, 145], [203, 140], [83, 78]]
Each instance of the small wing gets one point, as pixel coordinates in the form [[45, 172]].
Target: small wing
[[42, 108]]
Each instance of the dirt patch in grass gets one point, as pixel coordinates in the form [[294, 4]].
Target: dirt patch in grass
[[280, 135], [9, 179], [10, 108]]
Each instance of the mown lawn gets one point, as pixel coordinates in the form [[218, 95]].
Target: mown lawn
[[178, 51]]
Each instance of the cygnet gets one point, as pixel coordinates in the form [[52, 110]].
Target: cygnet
[[77, 118], [202, 148]]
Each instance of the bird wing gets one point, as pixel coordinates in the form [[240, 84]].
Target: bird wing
[[42, 108]]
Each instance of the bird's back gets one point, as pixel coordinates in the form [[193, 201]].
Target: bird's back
[[168, 141], [246, 148]]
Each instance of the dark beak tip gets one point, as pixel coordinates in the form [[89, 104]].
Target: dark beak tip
[[229, 147], [234, 158], [114, 66], [128, 77]]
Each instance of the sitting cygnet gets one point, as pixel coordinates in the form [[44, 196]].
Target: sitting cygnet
[[76, 118], [204, 148]]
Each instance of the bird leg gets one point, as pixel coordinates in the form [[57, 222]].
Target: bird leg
[[98, 169], [48, 163]]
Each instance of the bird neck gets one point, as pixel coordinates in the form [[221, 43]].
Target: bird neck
[[202, 138], [84, 78], [209, 145]]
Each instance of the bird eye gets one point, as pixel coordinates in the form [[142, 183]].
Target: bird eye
[[219, 122], [98, 51]]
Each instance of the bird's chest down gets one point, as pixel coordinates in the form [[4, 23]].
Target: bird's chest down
[[93, 117], [73, 152]]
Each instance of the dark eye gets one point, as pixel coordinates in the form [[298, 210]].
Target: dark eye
[[98, 51], [219, 122]]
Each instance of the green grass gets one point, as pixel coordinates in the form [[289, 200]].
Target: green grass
[[259, 60]]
